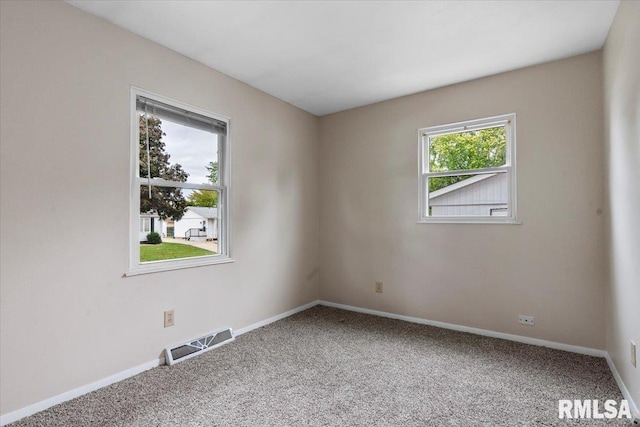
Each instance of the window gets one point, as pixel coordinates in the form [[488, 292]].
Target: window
[[179, 186], [145, 225], [467, 171]]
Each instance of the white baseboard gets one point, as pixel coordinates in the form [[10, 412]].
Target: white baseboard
[[11, 417], [72, 394], [487, 333], [623, 388], [275, 318], [77, 392], [526, 340], [517, 338]]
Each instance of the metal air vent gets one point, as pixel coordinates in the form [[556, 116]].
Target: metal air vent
[[191, 348]]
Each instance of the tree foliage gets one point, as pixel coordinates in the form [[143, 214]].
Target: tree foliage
[[203, 198], [463, 151], [212, 167], [167, 202], [206, 198]]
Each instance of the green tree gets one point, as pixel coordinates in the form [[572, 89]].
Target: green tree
[[463, 151], [206, 198], [212, 167], [167, 202]]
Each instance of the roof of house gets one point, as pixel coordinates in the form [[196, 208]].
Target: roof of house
[[204, 212], [150, 214], [460, 184]]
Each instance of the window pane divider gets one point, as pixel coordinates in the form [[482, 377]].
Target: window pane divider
[[446, 130], [505, 172], [159, 182], [483, 171], [192, 117]]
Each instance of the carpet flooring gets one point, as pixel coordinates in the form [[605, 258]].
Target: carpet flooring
[[328, 367]]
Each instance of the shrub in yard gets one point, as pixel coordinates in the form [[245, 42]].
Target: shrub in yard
[[154, 238]]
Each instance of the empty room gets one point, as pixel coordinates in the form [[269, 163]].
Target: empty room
[[322, 213]]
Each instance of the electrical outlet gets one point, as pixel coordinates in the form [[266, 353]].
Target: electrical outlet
[[633, 354], [169, 318], [379, 287], [527, 320]]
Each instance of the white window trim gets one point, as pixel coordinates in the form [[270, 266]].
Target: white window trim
[[507, 120], [143, 225], [224, 203]]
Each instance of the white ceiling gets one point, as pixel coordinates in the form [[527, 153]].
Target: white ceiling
[[328, 56]]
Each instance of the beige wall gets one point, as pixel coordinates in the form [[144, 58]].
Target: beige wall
[[622, 136], [68, 317], [551, 267]]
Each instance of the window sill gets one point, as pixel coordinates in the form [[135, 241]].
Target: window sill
[[160, 266], [467, 220]]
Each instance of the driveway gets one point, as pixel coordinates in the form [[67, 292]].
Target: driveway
[[210, 246]]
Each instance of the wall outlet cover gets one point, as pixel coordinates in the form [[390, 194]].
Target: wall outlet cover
[[169, 318], [526, 320]]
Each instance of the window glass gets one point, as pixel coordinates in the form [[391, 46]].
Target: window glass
[[474, 149], [468, 171], [181, 203]]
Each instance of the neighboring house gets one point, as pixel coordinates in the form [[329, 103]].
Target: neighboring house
[[481, 195], [151, 222], [197, 224]]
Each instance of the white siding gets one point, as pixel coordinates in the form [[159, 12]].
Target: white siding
[[212, 228], [143, 231], [189, 220], [159, 226], [477, 199], [194, 220]]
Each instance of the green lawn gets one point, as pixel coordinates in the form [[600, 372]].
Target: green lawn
[[170, 251]]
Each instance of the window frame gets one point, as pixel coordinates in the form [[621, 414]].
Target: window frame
[[145, 225], [509, 123], [224, 193]]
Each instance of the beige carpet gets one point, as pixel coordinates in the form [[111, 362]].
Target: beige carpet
[[328, 367]]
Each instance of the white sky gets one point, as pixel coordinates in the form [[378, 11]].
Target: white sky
[[192, 148]]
